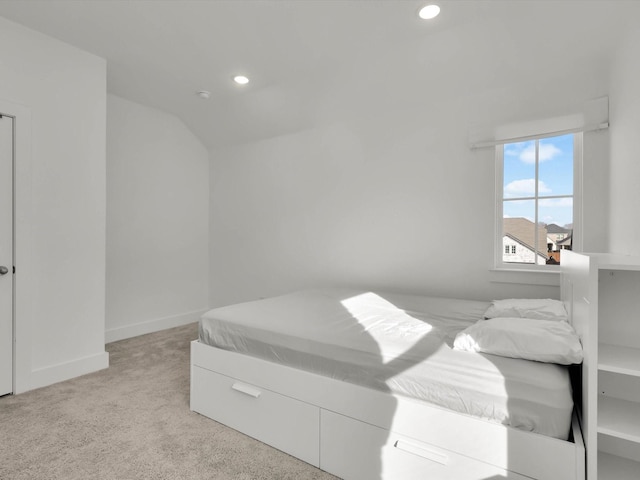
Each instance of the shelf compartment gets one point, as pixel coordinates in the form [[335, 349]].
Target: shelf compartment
[[617, 359], [619, 418], [612, 467]]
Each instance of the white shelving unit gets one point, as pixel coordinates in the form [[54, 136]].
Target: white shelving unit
[[603, 292], [619, 418], [619, 359], [616, 467]]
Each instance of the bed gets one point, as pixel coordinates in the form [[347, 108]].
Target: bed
[[367, 385]]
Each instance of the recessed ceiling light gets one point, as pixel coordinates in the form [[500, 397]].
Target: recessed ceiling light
[[429, 12], [204, 94], [241, 79]]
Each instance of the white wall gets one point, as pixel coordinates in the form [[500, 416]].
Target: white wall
[[59, 94], [393, 200], [624, 228], [157, 221]]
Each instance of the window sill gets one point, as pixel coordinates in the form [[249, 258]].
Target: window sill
[[524, 276]]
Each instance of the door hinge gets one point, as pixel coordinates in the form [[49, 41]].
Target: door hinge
[[14, 269]]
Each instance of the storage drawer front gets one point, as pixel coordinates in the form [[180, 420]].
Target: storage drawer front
[[354, 450], [282, 422]]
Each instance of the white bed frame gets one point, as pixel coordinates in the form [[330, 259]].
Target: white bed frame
[[355, 432]]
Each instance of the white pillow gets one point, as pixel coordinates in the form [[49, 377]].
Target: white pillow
[[535, 308], [531, 339]]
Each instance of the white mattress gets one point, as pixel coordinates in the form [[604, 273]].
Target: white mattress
[[400, 344]]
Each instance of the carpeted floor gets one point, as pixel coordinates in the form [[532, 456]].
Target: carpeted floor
[[132, 421]]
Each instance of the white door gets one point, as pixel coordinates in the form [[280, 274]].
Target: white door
[[6, 255]]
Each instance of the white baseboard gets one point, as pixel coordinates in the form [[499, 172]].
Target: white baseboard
[[150, 326], [45, 376], [49, 375]]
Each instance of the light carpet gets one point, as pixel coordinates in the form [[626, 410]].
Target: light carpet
[[132, 421]]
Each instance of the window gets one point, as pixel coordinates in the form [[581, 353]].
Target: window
[[536, 200]]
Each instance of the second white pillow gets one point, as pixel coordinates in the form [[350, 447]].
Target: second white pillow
[[547, 341], [535, 308]]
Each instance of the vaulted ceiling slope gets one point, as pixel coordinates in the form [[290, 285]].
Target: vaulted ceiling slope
[[312, 62]]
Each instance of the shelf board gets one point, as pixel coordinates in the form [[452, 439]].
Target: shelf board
[[612, 467], [617, 359], [619, 418], [611, 261]]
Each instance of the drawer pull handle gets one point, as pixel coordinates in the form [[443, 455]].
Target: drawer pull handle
[[246, 389], [421, 451]]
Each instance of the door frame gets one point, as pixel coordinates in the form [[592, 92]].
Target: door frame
[[10, 262], [23, 281]]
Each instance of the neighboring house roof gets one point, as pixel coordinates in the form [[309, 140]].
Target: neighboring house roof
[[553, 228], [523, 231]]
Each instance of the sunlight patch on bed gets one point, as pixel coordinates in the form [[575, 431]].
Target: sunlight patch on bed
[[394, 330]]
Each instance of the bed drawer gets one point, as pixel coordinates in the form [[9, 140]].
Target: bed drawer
[[282, 422], [354, 450]]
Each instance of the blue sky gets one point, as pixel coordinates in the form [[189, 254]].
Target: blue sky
[[555, 178]]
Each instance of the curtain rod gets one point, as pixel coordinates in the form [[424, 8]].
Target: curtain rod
[[592, 128]]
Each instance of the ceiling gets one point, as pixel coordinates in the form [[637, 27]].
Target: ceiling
[[312, 62]]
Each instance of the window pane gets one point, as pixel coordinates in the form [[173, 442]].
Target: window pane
[[557, 214], [519, 209], [519, 169], [519, 234], [556, 166], [558, 211]]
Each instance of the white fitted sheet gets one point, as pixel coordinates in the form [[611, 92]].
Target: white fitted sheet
[[400, 344]]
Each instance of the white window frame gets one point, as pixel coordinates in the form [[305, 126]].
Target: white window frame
[[499, 263]]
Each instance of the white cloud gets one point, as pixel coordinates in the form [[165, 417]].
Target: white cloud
[[546, 152], [511, 151], [525, 188]]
